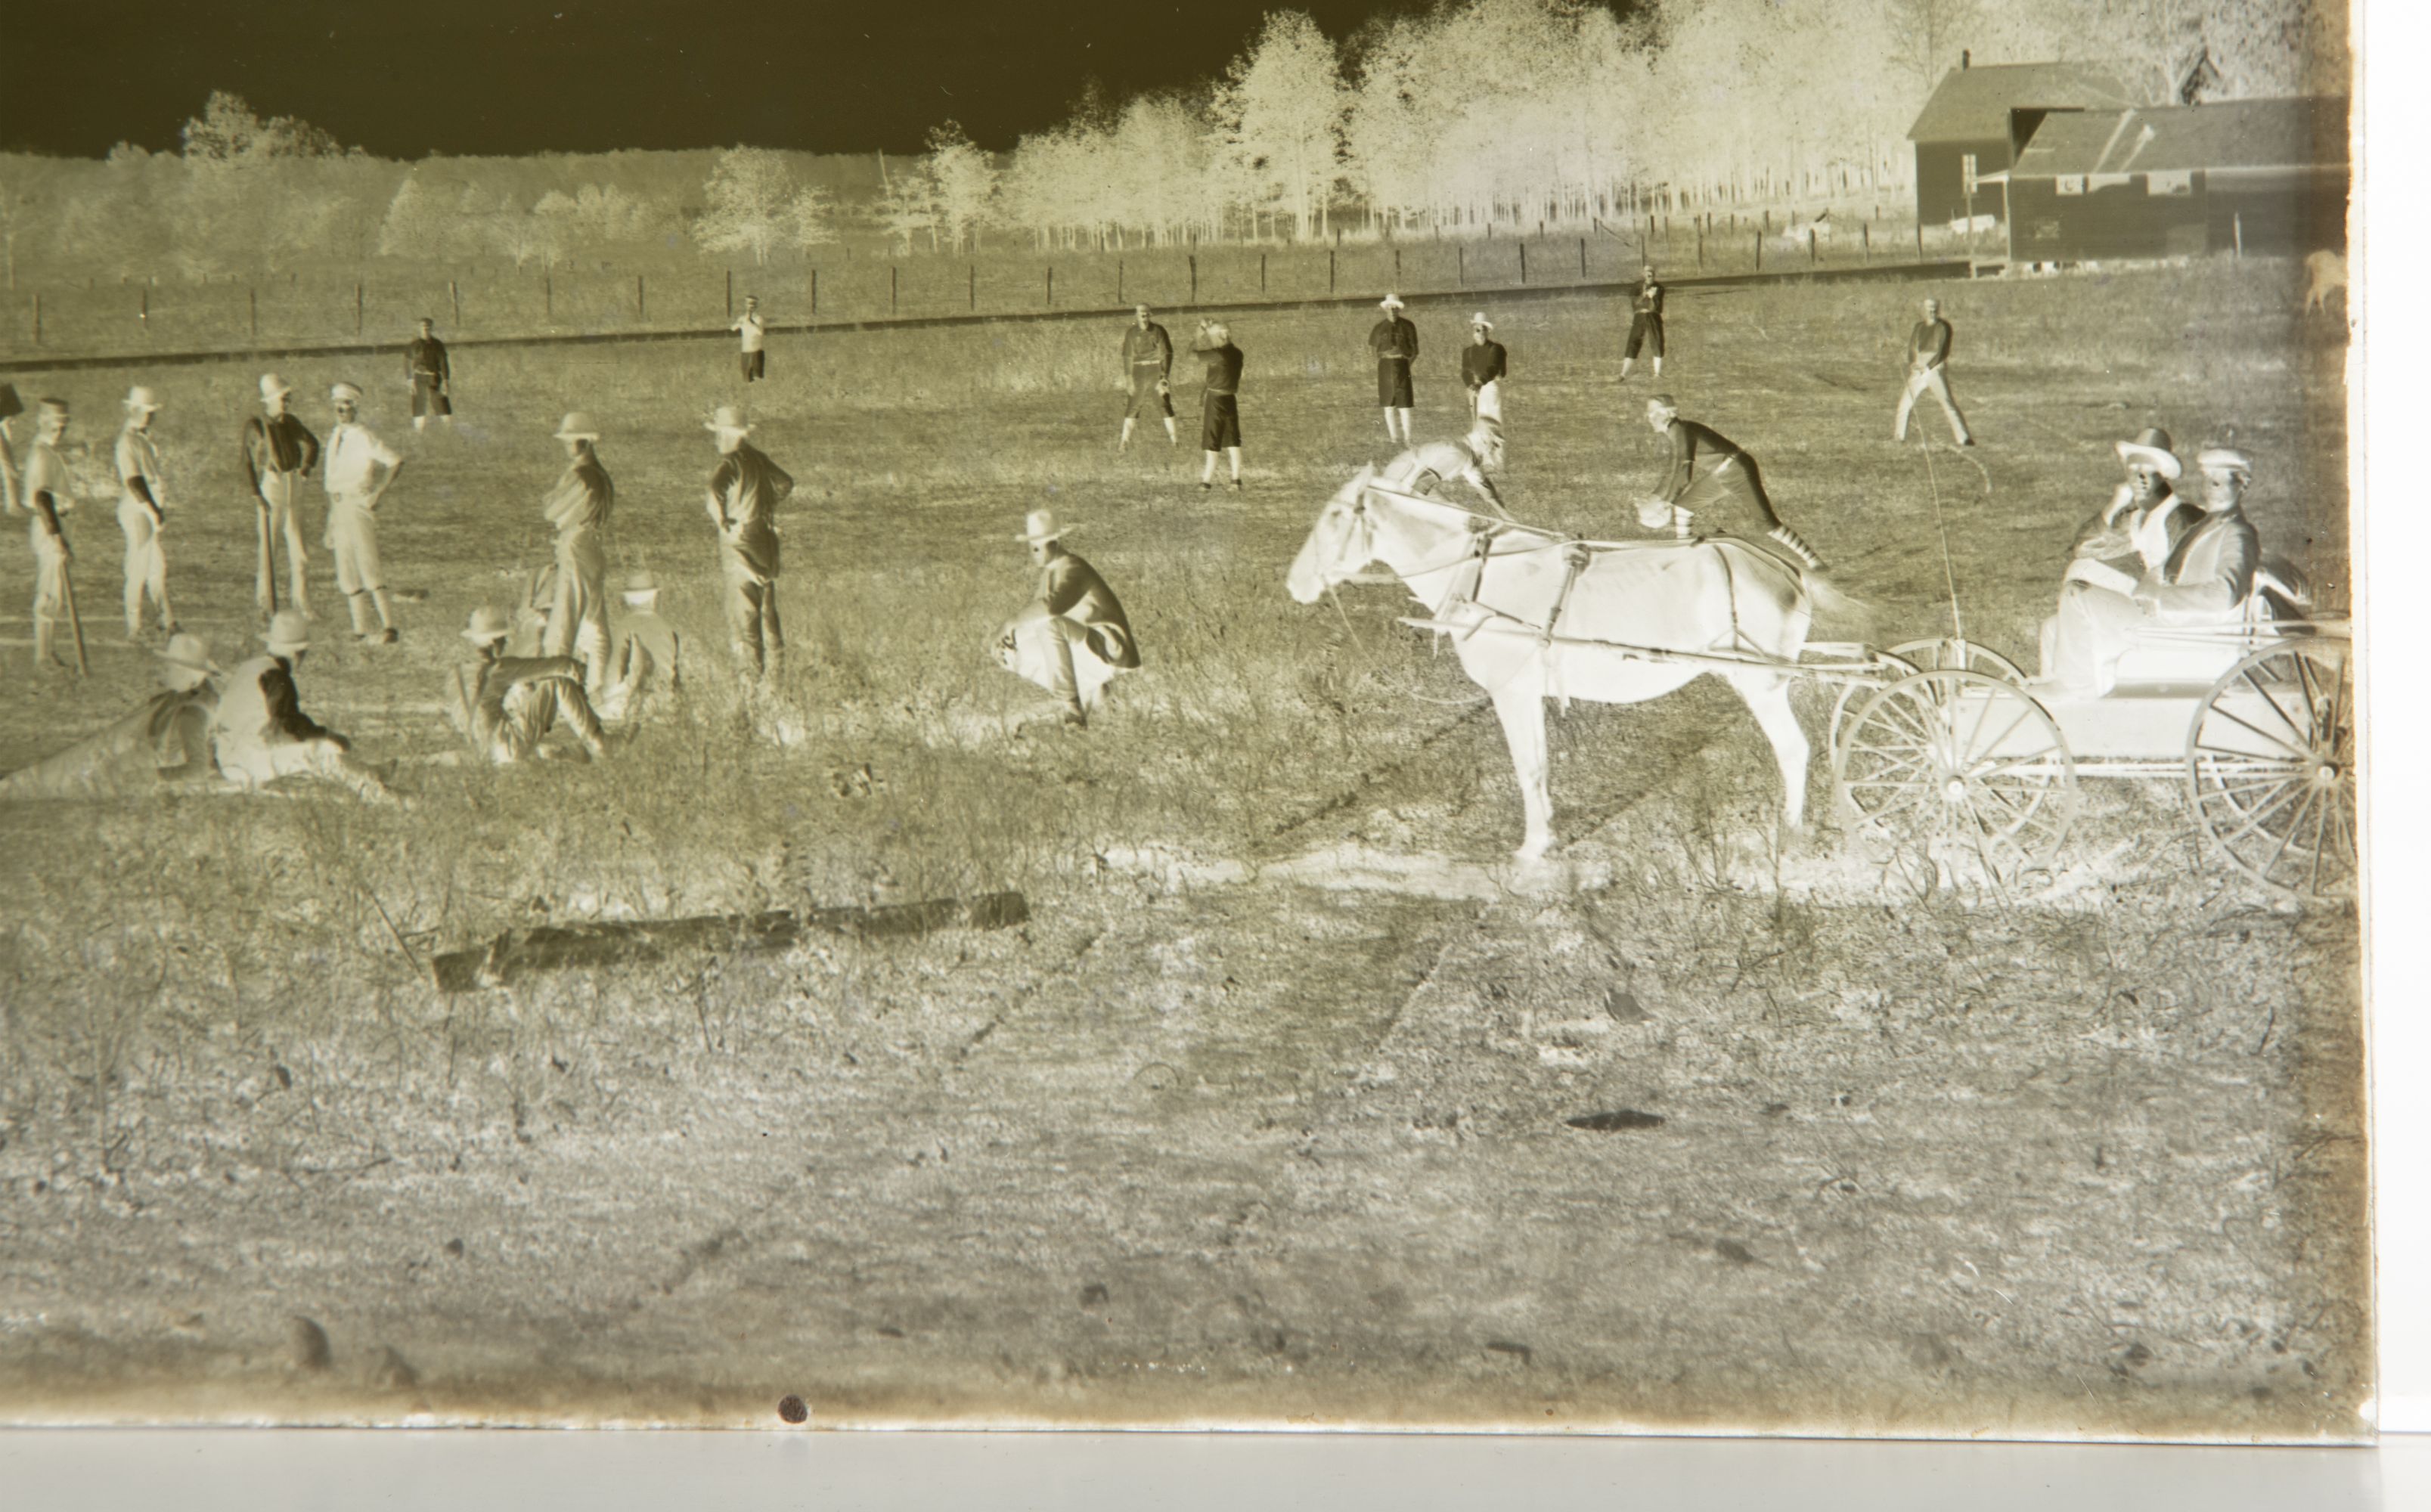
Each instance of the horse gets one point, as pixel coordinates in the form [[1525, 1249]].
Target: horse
[[1534, 614]]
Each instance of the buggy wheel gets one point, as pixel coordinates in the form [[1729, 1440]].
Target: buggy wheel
[[1951, 764], [1890, 667], [1965, 655], [2271, 768]]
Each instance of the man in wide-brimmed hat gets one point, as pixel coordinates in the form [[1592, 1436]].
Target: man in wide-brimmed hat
[[1928, 372], [1220, 406], [1483, 365], [577, 509], [357, 470], [262, 732], [166, 740], [1073, 637], [2204, 580], [1645, 322], [143, 501], [1712, 488], [2137, 530], [47, 493], [279, 452], [506, 706], [745, 492], [1395, 342], [648, 665], [1147, 364]]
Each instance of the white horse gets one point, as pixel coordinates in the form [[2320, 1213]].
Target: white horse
[[1502, 585]]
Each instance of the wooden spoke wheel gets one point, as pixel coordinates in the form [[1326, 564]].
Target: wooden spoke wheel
[[1967, 656], [2271, 768], [1891, 667], [1951, 761]]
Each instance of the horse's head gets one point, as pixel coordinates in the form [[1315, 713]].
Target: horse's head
[[1342, 542]]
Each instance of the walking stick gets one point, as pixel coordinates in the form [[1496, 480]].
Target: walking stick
[[67, 582]]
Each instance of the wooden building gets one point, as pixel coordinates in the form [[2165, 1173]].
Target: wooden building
[[1978, 119], [2264, 177]]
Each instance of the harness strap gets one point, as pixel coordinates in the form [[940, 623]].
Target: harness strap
[[1467, 581], [1575, 557]]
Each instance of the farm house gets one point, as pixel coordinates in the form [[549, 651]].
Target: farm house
[[1978, 119], [2267, 176]]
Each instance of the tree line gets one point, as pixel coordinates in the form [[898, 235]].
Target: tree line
[[1476, 114]]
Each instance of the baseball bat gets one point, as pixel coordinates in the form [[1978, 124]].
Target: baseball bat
[[67, 579]]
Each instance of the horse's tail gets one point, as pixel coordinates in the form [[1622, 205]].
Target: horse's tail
[[1845, 612]]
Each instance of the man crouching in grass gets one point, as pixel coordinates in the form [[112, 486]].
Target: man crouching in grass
[[1073, 637], [506, 705]]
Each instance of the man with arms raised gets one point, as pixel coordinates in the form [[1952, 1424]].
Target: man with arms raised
[[1219, 413]]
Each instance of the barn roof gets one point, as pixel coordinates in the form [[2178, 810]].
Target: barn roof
[[1973, 103], [2287, 133]]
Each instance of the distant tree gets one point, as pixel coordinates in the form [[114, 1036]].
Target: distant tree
[[248, 198], [1278, 117], [964, 181], [907, 205], [810, 218], [750, 199]]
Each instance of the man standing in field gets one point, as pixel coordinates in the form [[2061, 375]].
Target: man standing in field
[[755, 339], [279, 453], [1645, 322], [143, 499], [1928, 360], [262, 732], [427, 376], [1483, 364], [357, 469], [1073, 637], [507, 705], [577, 509], [1219, 410], [46, 494], [167, 740], [1395, 342], [744, 495], [1148, 361], [1713, 487], [1421, 470]]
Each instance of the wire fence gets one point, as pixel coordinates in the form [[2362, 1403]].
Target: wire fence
[[381, 303]]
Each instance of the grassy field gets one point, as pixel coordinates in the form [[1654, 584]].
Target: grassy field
[[1283, 1149]]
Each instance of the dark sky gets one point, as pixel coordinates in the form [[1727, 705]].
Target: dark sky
[[406, 78]]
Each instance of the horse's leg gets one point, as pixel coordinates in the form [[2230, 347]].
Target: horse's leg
[[1521, 705], [1768, 699]]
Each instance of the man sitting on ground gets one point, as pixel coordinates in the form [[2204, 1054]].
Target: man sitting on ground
[[1073, 638], [167, 740], [644, 673], [507, 705], [262, 732]]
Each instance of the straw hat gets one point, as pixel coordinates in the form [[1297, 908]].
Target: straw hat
[[10, 403], [577, 425], [139, 397], [288, 633], [273, 386], [1479, 322], [487, 624], [190, 654], [1391, 301], [346, 392], [642, 582], [1041, 527], [728, 421], [2153, 449], [2227, 459]]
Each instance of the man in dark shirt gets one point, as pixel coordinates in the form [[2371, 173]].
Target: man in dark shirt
[[1147, 365], [744, 494], [1219, 415], [279, 453], [1073, 637], [1482, 363], [1645, 322], [427, 374], [1928, 358], [1395, 342], [1712, 488]]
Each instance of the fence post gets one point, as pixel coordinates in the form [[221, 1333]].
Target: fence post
[[729, 293], [1700, 249], [455, 305], [975, 285], [1583, 259], [641, 299], [359, 307], [1329, 270], [1262, 273], [1460, 266], [892, 289], [1865, 239], [1397, 265], [2237, 229], [37, 317], [1051, 286], [1193, 278], [252, 316], [1919, 239], [549, 296], [1523, 260], [1759, 251], [814, 291], [1811, 254], [1119, 280]]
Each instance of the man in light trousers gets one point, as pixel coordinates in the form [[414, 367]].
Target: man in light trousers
[[1928, 364], [578, 508], [744, 495], [142, 503], [279, 453], [357, 470]]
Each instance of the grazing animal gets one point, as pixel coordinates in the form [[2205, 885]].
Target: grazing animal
[[2328, 272], [1504, 585]]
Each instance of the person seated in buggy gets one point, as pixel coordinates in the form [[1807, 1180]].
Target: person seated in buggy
[[2213, 579], [2143, 523]]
